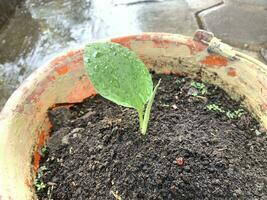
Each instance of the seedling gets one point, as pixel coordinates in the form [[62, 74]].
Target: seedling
[[235, 114], [39, 185], [195, 94], [43, 151], [261, 131], [230, 114], [215, 108], [200, 87], [178, 81], [119, 76]]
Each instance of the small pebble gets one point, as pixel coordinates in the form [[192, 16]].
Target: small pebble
[[174, 106], [65, 139], [179, 161], [76, 130]]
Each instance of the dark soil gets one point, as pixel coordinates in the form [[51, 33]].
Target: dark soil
[[190, 152]]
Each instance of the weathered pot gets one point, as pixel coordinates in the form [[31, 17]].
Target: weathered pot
[[24, 124]]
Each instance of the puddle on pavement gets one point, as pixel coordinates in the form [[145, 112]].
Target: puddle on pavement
[[41, 29]]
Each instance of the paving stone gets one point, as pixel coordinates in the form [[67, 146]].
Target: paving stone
[[169, 16], [247, 2], [133, 2], [204, 4], [142, 16], [237, 25]]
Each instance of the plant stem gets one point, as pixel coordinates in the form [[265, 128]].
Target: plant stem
[[148, 110], [140, 116]]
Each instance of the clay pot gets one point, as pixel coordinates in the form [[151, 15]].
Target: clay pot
[[24, 124]]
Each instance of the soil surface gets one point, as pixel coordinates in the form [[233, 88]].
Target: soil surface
[[191, 151]]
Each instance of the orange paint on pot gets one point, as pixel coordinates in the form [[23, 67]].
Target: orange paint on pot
[[40, 143], [76, 62], [28, 183], [122, 39], [60, 105], [81, 90], [63, 58], [126, 44], [158, 43], [41, 139], [195, 46], [62, 70], [51, 78], [36, 161], [214, 60], [143, 37], [125, 41], [166, 71], [231, 72]]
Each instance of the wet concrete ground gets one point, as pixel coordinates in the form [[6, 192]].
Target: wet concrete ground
[[40, 29]]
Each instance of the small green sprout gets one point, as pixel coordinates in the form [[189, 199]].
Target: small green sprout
[[200, 87], [235, 114], [42, 169], [258, 133], [230, 114], [178, 81], [215, 108], [43, 151], [194, 94], [39, 185], [120, 76]]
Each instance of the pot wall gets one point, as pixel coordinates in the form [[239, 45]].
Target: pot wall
[[24, 124]]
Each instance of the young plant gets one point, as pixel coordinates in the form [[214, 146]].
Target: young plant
[[119, 76], [43, 151], [215, 108], [38, 183], [200, 87], [230, 114], [235, 114]]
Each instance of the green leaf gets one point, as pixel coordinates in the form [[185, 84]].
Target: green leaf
[[118, 74]]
